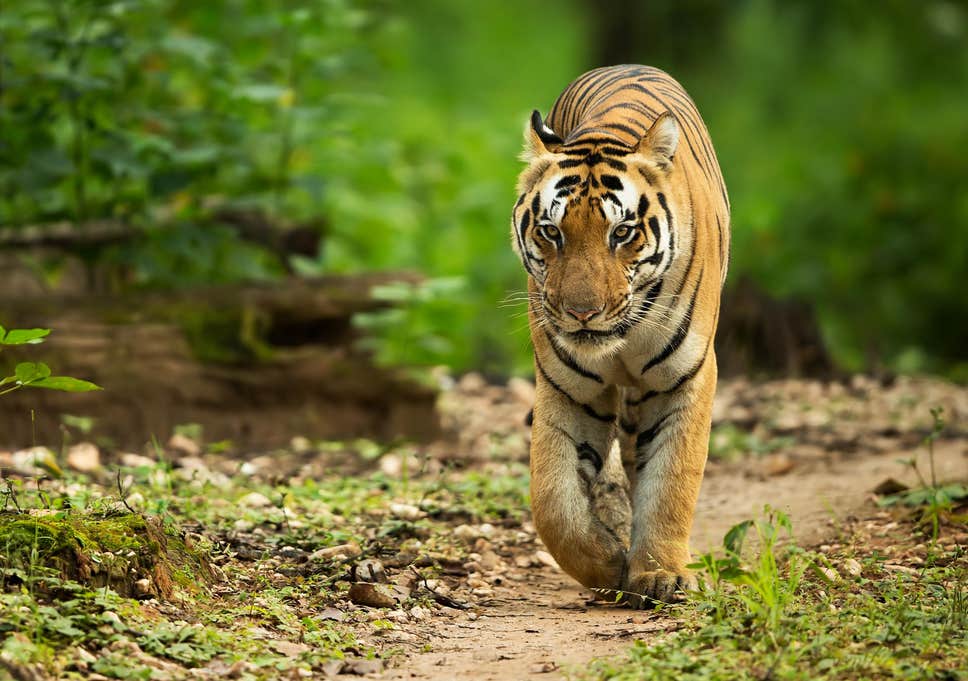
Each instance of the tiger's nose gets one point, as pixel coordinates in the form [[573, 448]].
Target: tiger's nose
[[583, 314]]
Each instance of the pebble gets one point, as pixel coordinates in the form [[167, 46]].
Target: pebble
[[372, 595], [370, 570], [35, 461], [184, 444], [406, 512], [342, 551], [829, 573], [255, 500], [84, 457], [136, 460], [853, 568], [547, 559]]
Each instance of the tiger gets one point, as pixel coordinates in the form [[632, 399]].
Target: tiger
[[622, 224]]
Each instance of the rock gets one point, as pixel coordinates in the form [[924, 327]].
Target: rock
[[889, 486], [301, 445], [111, 617], [331, 614], [778, 464], [136, 460], [35, 462], [136, 501], [853, 568], [370, 570], [184, 445], [471, 382], [546, 559], [290, 648], [84, 457], [144, 589], [255, 500], [542, 667], [830, 573], [377, 595], [406, 512], [522, 391], [350, 550], [362, 667]]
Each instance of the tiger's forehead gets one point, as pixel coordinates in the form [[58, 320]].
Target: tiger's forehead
[[614, 192]]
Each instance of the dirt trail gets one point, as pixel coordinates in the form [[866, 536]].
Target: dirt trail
[[544, 624]]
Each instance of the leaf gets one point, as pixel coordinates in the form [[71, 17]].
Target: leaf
[[733, 541], [28, 372], [66, 383], [23, 336]]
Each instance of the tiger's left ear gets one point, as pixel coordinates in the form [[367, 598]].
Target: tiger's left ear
[[661, 140], [539, 139]]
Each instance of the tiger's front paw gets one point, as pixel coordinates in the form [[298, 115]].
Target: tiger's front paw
[[646, 589]]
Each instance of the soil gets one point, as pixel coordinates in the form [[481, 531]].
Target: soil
[[542, 623], [835, 442], [499, 608]]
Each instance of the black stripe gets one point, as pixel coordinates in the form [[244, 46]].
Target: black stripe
[[643, 205], [587, 453], [606, 418], [629, 428], [615, 151], [654, 259], [646, 436], [567, 181], [665, 207], [681, 332], [570, 362], [654, 226], [612, 182]]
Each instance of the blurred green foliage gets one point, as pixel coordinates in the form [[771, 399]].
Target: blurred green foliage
[[841, 131]]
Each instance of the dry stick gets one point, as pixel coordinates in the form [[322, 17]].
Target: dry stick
[[439, 597], [122, 494], [12, 496]]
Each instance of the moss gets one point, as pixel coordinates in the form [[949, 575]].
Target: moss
[[116, 551]]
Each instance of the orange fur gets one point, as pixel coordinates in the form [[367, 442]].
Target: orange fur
[[623, 227]]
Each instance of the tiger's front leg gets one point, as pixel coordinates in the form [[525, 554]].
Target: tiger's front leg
[[669, 456], [578, 496]]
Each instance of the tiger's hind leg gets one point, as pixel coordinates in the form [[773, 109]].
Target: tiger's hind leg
[[576, 494]]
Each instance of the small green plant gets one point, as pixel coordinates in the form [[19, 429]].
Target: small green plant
[[36, 374], [935, 500], [762, 587]]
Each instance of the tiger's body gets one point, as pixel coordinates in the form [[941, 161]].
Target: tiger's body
[[623, 227]]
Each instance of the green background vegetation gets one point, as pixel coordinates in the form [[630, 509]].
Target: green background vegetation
[[394, 128]]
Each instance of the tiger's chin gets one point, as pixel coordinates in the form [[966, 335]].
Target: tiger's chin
[[591, 343]]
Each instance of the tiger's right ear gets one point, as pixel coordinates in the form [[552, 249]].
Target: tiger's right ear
[[539, 139]]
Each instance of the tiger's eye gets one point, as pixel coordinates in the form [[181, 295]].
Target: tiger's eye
[[621, 232], [551, 232]]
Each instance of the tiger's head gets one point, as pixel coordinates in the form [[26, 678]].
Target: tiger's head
[[594, 227]]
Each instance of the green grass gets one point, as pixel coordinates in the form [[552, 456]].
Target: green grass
[[783, 613]]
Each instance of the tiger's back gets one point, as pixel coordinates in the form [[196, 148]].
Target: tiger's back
[[623, 227]]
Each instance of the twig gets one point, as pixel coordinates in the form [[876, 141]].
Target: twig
[[439, 597], [122, 494], [12, 496]]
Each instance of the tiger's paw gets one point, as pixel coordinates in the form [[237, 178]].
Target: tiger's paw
[[646, 589]]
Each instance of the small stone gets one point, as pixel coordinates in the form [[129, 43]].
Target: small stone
[[472, 616], [136, 501], [290, 648], [84, 457], [35, 462], [546, 559], [778, 464], [243, 525], [300, 444], [184, 445], [373, 595], [853, 568], [419, 613], [255, 500], [136, 460], [363, 667], [332, 614], [542, 667], [466, 533], [111, 617], [406, 512], [143, 588], [350, 550], [486, 530], [471, 382], [521, 390], [830, 573], [370, 570]]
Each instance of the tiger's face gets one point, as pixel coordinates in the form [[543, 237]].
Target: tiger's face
[[594, 227]]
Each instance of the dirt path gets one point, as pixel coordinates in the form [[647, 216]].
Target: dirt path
[[540, 622]]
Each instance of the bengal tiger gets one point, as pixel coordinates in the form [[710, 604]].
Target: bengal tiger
[[622, 225]]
